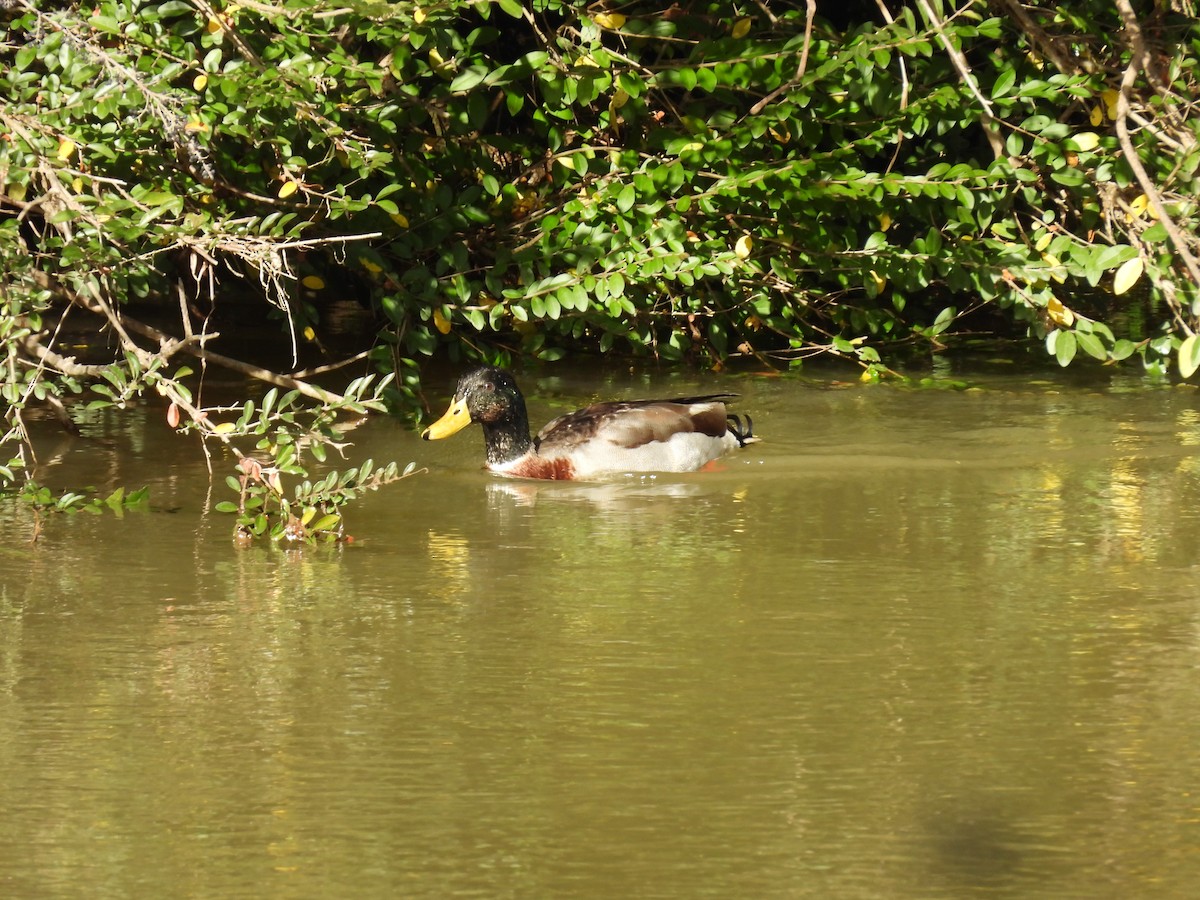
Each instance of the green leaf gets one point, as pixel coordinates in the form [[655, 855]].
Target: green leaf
[[1122, 349], [1091, 345], [470, 77], [1064, 350], [626, 198], [1155, 234], [1068, 177], [1113, 256], [325, 523], [1004, 83], [943, 321]]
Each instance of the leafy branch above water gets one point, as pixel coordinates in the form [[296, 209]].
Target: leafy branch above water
[[691, 182], [285, 429]]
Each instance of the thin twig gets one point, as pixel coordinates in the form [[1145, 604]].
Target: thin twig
[[1037, 35], [332, 367], [887, 15], [811, 11]]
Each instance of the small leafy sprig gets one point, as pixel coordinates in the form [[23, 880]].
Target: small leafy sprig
[[287, 431], [43, 499], [313, 514]]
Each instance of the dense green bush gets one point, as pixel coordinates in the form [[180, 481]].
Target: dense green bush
[[495, 179]]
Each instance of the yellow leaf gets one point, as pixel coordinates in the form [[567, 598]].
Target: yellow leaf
[[400, 219], [419, 15], [66, 149], [1086, 140], [619, 99], [200, 82], [1057, 272], [1127, 275], [885, 221], [1138, 207], [313, 282], [1058, 313], [1110, 103], [437, 61], [744, 246], [1189, 356], [609, 20], [309, 334], [195, 123], [225, 428], [1096, 117], [372, 267], [77, 185], [740, 28], [440, 322], [286, 190], [1043, 242], [213, 25]]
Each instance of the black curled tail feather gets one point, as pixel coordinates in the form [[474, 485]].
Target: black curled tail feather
[[743, 431]]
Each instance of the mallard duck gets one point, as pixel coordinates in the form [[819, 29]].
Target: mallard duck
[[602, 439]]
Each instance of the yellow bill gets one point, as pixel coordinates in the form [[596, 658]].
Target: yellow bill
[[455, 420]]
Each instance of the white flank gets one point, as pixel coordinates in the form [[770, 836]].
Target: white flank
[[683, 452]]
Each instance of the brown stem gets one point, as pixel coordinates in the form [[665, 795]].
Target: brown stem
[[1137, 64], [811, 12]]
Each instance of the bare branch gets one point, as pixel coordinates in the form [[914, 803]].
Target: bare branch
[[123, 325], [1045, 43], [988, 119], [811, 12], [1137, 63]]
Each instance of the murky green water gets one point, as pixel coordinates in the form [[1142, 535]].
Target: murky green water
[[915, 644]]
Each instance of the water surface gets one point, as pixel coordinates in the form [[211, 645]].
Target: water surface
[[917, 643]]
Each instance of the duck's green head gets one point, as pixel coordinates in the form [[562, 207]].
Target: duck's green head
[[489, 396]]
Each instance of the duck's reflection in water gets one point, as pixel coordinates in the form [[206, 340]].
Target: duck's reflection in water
[[628, 494]]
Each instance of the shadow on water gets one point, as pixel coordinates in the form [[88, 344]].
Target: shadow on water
[[976, 845]]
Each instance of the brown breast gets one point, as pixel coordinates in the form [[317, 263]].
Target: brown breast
[[550, 469]]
